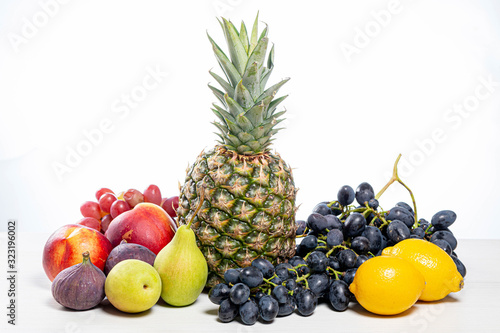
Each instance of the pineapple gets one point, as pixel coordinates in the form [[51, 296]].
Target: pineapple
[[247, 192]]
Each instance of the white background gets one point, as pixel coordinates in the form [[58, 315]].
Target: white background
[[65, 67]]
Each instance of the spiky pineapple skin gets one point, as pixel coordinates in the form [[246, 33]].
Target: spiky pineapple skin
[[248, 209]]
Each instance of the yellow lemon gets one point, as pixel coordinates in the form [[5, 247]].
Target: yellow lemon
[[437, 267], [387, 285]]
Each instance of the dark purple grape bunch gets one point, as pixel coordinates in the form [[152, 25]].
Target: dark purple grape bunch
[[337, 227], [264, 291]]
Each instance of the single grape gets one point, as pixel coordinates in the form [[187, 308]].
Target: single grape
[[287, 308], [218, 293], [268, 308], [360, 244], [447, 236], [444, 245], [249, 312], [334, 237], [282, 271], [101, 191], [333, 222], [105, 221], [296, 260], [339, 295], [348, 276], [258, 295], [401, 214], [346, 195], [317, 262], [317, 222], [460, 266], [152, 194], [360, 260], [373, 203], [118, 207], [418, 233], [318, 283], [347, 259], [91, 223], [239, 293], [264, 266], [364, 193], [306, 302], [443, 219], [335, 207], [301, 227], [276, 280], [227, 311], [333, 262], [309, 242], [251, 276], [133, 197], [374, 236], [290, 284], [280, 293], [354, 225], [322, 209], [405, 206], [170, 205], [301, 250], [105, 201], [423, 223], [298, 289], [397, 231], [91, 209], [232, 275]]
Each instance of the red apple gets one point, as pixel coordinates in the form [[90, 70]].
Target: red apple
[[147, 224], [65, 246], [170, 205]]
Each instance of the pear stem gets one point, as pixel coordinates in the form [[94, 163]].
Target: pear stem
[[202, 197]]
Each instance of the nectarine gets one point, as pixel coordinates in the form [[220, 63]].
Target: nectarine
[[65, 246], [146, 224]]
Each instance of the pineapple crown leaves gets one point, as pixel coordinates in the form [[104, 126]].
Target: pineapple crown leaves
[[247, 119]]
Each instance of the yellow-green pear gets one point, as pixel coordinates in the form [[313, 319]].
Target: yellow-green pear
[[182, 268]]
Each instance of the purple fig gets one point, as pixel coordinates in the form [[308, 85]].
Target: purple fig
[[81, 286], [128, 251]]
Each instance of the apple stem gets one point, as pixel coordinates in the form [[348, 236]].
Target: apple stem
[[201, 198]]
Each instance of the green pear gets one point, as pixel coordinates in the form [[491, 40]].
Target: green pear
[[182, 268]]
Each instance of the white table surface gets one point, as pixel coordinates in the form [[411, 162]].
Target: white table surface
[[475, 309]]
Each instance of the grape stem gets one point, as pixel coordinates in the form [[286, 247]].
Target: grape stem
[[269, 280], [334, 248], [395, 178], [334, 272]]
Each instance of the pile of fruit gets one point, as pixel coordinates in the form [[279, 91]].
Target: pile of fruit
[[236, 231], [125, 249], [99, 214], [345, 253]]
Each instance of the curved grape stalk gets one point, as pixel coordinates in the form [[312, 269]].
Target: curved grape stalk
[[394, 178]]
